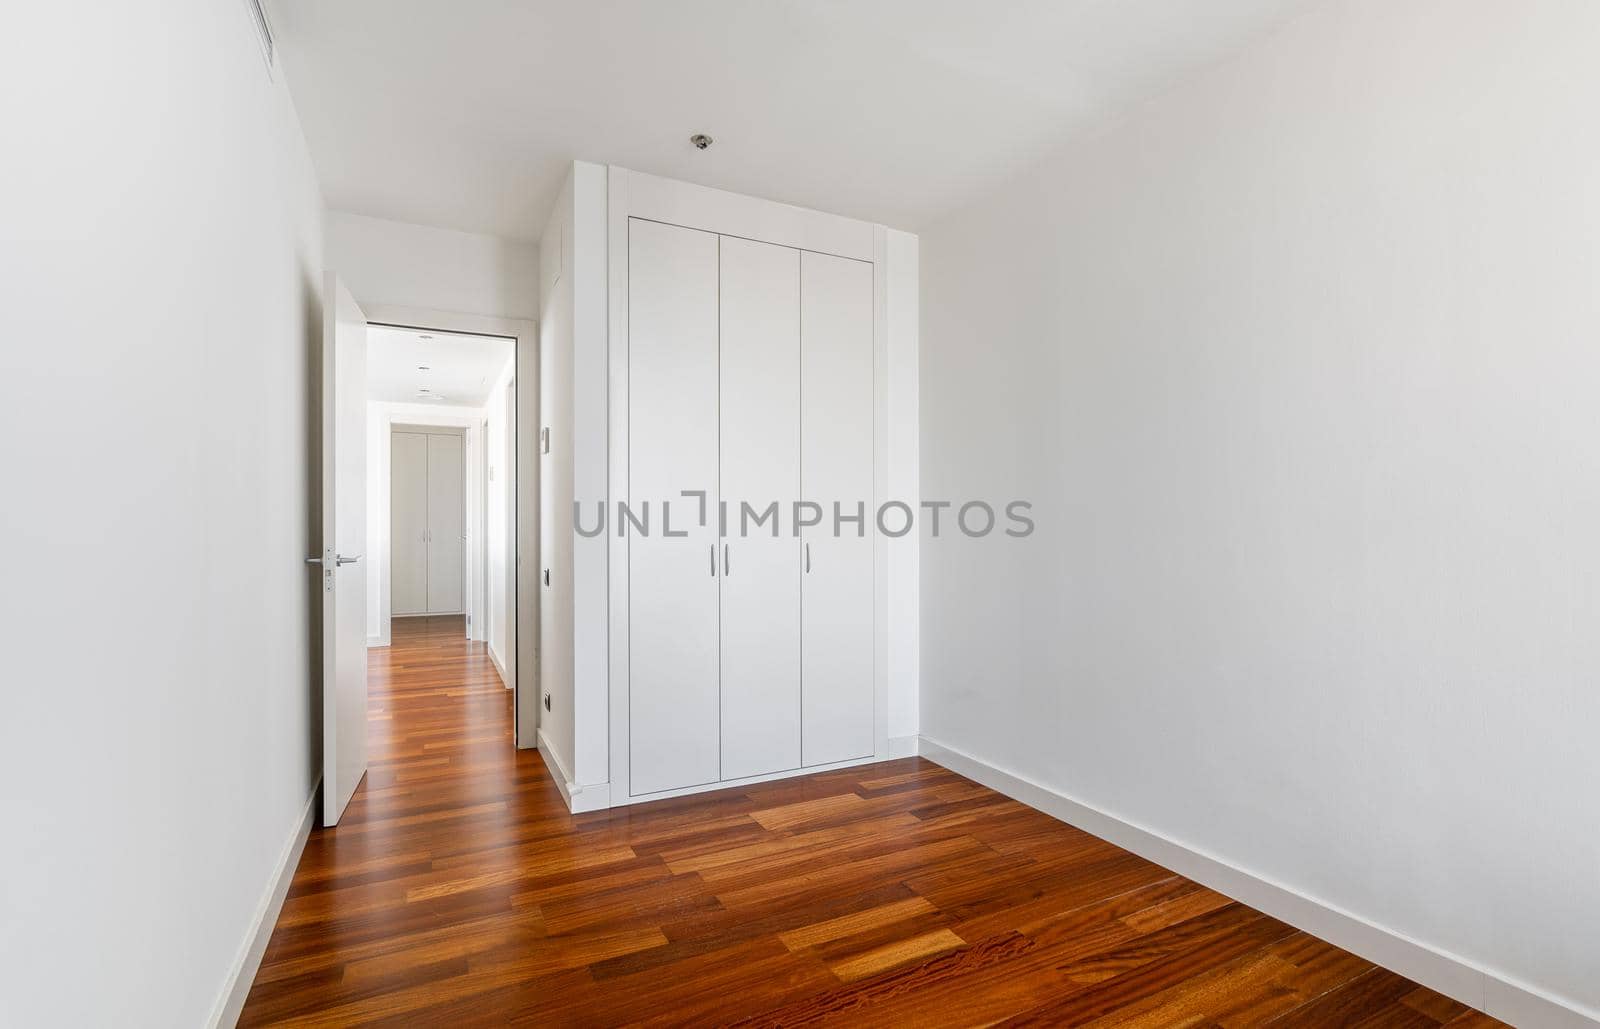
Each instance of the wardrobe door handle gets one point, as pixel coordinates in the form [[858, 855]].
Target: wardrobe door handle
[[727, 566], [808, 559], [713, 560]]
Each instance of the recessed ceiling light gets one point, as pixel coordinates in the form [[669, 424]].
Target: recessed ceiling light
[[701, 141], [422, 389], [424, 336], [422, 368]]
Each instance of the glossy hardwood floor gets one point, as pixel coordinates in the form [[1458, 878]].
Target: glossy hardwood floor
[[457, 891]]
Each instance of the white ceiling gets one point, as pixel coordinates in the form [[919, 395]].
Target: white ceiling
[[464, 114], [460, 369]]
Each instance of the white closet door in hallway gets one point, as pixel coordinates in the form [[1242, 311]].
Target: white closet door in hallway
[[447, 518], [427, 517], [408, 523]]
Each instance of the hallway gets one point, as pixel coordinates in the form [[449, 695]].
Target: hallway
[[458, 890]]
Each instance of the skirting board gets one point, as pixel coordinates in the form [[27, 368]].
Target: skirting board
[[579, 798], [1454, 976], [505, 680], [242, 975]]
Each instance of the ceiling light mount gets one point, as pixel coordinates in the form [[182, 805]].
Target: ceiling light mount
[[701, 141]]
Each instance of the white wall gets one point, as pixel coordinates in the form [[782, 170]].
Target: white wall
[[162, 327], [573, 334], [1300, 365], [416, 266], [555, 483]]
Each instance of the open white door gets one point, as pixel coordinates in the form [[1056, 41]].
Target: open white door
[[344, 541]]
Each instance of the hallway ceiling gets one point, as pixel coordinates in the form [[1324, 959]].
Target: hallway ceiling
[[464, 114], [461, 369]]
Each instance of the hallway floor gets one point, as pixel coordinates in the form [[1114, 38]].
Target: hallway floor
[[459, 891]]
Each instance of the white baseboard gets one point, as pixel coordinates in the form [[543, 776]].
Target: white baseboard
[[1489, 991], [242, 974], [505, 680], [558, 770], [579, 798], [589, 798], [377, 641]]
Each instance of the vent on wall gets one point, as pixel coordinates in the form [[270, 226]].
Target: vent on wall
[[258, 17]]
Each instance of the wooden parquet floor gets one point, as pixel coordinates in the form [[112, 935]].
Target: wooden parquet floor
[[458, 891]]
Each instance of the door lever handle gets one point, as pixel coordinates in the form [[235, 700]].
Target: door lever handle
[[313, 560], [342, 560]]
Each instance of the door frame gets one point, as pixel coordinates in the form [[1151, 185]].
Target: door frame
[[522, 600]]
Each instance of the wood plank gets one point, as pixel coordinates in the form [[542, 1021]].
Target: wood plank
[[849, 925], [893, 955]]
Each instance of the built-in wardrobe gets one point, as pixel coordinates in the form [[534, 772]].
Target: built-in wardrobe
[[750, 382], [427, 519]]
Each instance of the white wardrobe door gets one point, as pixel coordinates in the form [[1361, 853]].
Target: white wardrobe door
[[672, 447], [760, 397], [836, 622], [446, 523], [408, 523]]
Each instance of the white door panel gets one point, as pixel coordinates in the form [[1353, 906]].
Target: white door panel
[[408, 523], [672, 441], [836, 655], [837, 632], [446, 522], [344, 539], [760, 401]]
